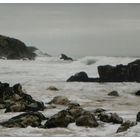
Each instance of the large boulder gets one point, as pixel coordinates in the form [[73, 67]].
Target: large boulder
[[24, 120], [61, 119], [111, 117], [12, 48], [87, 119], [13, 99], [79, 77], [65, 57], [120, 73]]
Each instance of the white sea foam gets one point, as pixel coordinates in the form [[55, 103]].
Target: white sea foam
[[36, 76]]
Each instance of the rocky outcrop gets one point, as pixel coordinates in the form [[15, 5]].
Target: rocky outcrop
[[12, 48], [108, 73], [65, 57], [24, 120], [13, 99]]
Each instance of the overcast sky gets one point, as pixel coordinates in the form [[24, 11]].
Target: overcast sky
[[75, 29]]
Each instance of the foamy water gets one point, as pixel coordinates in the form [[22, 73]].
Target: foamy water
[[36, 76]]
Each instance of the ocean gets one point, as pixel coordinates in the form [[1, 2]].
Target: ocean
[[36, 76]]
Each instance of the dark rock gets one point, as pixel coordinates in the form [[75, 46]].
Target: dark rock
[[137, 93], [15, 100], [60, 100], [61, 119], [114, 118], [11, 48], [86, 120], [52, 88], [99, 110], [113, 93], [138, 117], [64, 57], [105, 117], [17, 88], [108, 73], [24, 120], [125, 126], [81, 77], [75, 110]]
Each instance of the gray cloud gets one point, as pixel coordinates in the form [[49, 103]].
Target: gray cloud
[[75, 29]]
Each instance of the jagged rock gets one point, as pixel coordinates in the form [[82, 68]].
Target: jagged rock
[[60, 100], [112, 117], [15, 100], [113, 93], [52, 88], [24, 120], [61, 119], [125, 126], [87, 120], [11, 48], [64, 57]]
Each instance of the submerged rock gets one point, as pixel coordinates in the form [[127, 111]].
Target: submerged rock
[[61, 119], [113, 93], [125, 126], [52, 88], [24, 120], [60, 100]]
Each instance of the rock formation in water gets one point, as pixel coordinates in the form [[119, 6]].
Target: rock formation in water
[[13, 99], [108, 73]]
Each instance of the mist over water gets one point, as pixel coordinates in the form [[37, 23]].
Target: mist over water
[[75, 29]]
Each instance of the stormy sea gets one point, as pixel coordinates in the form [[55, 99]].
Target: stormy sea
[[38, 75]]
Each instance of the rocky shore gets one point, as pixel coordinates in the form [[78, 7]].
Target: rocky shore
[[11, 48], [14, 99]]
